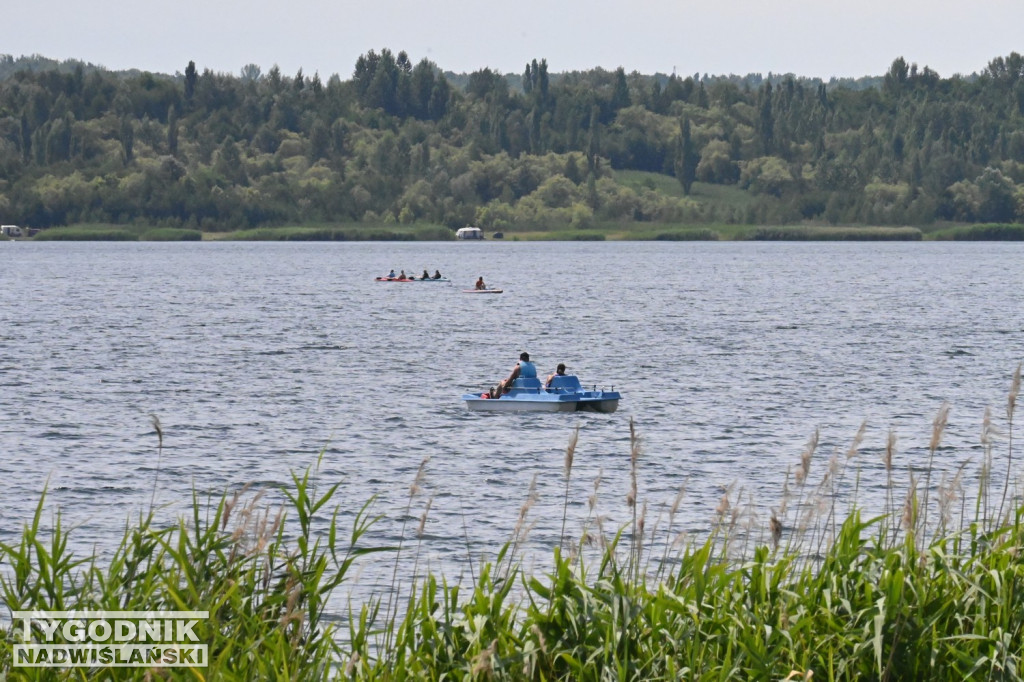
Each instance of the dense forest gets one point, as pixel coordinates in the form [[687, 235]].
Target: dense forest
[[406, 143]]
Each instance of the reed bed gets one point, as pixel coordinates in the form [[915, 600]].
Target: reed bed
[[824, 233], [102, 232], [348, 233], [265, 590], [1007, 232], [931, 587]]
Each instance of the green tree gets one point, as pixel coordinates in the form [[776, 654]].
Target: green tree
[[128, 140], [191, 77], [172, 131], [766, 120], [620, 93], [250, 72], [319, 141], [686, 158], [997, 197], [716, 164], [897, 76]]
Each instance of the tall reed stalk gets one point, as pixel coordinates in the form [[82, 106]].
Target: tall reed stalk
[[1011, 404], [567, 472], [938, 428]]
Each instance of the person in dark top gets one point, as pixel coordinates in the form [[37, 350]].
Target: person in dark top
[[426, 275], [437, 274], [559, 372]]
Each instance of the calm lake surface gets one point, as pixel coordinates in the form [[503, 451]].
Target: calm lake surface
[[258, 356]]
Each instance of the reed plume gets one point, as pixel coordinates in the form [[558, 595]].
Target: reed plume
[[673, 510], [634, 458], [909, 517], [567, 471], [419, 541], [483, 663], [805, 457], [784, 503], [592, 500], [155, 420], [521, 529], [415, 488], [858, 438], [950, 490], [938, 428], [837, 471], [887, 456], [776, 531], [1011, 404]]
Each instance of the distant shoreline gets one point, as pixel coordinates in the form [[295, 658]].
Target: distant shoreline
[[621, 232]]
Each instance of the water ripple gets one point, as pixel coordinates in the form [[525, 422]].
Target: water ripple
[[261, 359]]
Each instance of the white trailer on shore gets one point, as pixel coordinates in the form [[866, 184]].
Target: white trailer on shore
[[469, 233]]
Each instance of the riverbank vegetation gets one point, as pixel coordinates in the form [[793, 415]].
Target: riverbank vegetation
[[396, 145], [930, 587], [599, 232], [118, 233]]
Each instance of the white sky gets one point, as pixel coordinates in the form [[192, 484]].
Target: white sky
[[822, 38]]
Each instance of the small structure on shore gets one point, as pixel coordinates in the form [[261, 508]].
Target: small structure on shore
[[469, 233]]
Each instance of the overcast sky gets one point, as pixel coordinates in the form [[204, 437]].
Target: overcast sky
[[821, 38]]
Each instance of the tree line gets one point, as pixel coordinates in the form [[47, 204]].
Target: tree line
[[408, 143]]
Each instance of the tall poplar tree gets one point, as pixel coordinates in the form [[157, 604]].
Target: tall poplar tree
[[687, 157], [190, 82]]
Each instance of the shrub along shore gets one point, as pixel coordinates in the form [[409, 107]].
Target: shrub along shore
[[609, 232], [932, 587]]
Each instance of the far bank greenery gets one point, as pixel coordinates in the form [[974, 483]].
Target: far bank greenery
[[601, 232], [391, 146], [931, 587]]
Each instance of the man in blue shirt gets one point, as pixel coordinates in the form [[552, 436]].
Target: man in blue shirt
[[524, 368]]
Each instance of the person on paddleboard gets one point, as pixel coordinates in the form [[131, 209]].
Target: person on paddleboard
[[480, 283]]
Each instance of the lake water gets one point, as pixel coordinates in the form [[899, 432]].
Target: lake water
[[258, 356]]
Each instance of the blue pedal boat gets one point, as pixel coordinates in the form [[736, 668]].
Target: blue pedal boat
[[529, 395]]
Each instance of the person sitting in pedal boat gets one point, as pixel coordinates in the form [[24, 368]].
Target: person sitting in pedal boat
[[559, 372], [524, 368]]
